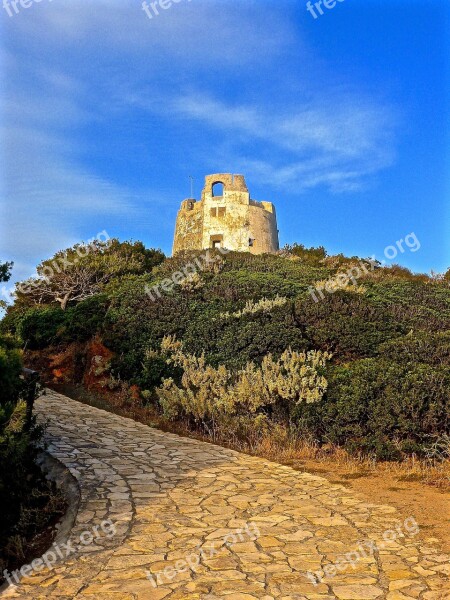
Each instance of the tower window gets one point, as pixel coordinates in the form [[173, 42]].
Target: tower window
[[216, 241], [217, 189], [251, 242], [221, 211], [213, 212]]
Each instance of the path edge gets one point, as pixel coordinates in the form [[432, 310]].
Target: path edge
[[55, 471]]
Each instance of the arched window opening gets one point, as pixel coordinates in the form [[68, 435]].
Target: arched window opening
[[217, 189]]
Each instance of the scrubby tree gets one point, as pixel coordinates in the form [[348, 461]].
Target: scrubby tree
[[83, 270]]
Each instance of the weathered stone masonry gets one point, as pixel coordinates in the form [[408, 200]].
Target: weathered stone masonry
[[226, 217]]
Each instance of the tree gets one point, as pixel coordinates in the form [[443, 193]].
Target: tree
[[5, 274], [83, 270], [5, 271]]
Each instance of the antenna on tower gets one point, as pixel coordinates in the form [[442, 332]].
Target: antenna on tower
[[192, 186]]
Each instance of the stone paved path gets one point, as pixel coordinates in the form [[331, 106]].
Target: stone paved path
[[173, 500]]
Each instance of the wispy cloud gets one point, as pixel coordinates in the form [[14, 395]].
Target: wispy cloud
[[338, 141], [46, 192], [224, 32], [51, 198]]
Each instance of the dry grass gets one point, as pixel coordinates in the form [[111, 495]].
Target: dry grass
[[429, 471]]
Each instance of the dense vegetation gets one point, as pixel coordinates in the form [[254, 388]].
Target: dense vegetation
[[27, 502], [384, 339]]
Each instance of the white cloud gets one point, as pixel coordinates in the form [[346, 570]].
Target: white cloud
[[47, 195], [337, 144], [225, 32]]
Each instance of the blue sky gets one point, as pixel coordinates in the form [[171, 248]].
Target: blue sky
[[342, 121]]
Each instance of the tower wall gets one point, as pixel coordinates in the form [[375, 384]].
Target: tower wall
[[263, 227], [189, 227]]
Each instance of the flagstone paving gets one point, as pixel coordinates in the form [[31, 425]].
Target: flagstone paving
[[177, 506]]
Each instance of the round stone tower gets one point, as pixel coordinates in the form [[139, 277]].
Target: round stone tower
[[226, 217]]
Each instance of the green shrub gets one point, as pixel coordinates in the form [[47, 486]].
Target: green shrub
[[85, 319], [234, 342], [244, 307], [347, 324], [134, 323], [415, 304], [311, 256], [155, 368], [418, 347], [10, 382], [236, 286], [41, 327], [373, 403]]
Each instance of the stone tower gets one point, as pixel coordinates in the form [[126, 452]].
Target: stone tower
[[226, 217]]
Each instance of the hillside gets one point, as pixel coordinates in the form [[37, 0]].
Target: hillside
[[327, 348]]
